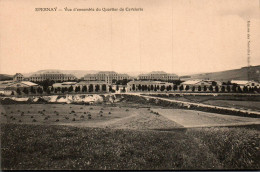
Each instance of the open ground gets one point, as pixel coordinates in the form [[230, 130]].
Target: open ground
[[125, 135]]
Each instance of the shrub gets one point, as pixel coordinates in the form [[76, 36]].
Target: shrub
[[81, 116], [91, 108], [28, 111], [101, 112], [20, 120], [31, 116], [126, 110], [81, 107], [34, 120], [46, 118], [73, 119], [109, 112], [72, 111], [18, 110], [85, 113], [57, 120]]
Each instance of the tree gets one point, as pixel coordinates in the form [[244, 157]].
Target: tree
[[239, 89], [48, 91], [12, 93], [162, 88], [170, 88], [58, 89], [175, 87], [70, 89], [205, 88], [52, 89], [123, 89], [133, 87], [110, 89], [152, 87], [39, 90], [66, 89], [245, 89], [84, 88], [223, 88], [117, 87], [142, 87], [148, 88], [97, 88], [139, 87], [193, 88], [228, 88], [18, 91], [104, 87], [234, 88], [32, 90], [55, 90], [199, 88], [187, 87], [62, 89], [155, 88], [211, 88], [216, 88], [145, 87], [90, 89], [181, 88]]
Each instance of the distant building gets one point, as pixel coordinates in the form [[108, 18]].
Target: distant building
[[8, 87], [200, 83], [18, 77], [133, 86], [106, 76], [243, 83], [64, 84], [52, 76], [158, 75]]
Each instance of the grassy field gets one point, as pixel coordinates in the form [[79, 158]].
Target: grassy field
[[101, 116], [26, 146], [241, 102], [118, 137]]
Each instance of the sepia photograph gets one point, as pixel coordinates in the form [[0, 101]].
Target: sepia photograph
[[130, 85]]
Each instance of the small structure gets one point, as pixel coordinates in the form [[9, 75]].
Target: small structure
[[18, 77], [243, 83]]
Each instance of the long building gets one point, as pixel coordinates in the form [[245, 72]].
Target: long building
[[53, 76], [158, 75], [106, 76]]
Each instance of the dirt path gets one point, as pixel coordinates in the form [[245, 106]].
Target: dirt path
[[191, 118]]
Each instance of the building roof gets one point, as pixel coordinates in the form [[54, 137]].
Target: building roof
[[29, 83], [196, 82], [147, 82], [242, 82], [90, 82]]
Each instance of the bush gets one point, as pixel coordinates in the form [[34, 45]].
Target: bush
[[109, 112], [73, 119], [57, 120], [81, 116], [31, 116], [126, 110], [34, 120]]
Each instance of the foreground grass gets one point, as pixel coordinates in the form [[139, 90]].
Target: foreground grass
[[61, 147]]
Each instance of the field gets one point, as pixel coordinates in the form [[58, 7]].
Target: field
[[125, 136], [239, 101]]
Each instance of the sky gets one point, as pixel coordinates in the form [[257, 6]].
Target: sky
[[175, 36]]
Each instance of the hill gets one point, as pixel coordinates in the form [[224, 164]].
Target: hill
[[4, 77], [236, 74]]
